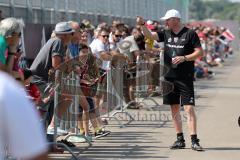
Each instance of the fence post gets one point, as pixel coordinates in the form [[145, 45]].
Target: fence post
[[12, 8], [43, 11], [29, 12]]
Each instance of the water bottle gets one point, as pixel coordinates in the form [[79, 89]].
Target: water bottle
[[173, 56]]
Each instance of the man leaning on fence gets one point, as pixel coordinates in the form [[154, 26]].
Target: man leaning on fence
[[182, 47], [49, 58]]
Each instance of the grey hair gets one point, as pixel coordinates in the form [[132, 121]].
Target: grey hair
[[11, 25]]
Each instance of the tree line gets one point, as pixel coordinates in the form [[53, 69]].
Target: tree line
[[214, 9]]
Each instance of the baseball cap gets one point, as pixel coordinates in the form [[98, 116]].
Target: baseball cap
[[170, 14]]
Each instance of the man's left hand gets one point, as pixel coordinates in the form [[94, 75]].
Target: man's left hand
[[178, 59]]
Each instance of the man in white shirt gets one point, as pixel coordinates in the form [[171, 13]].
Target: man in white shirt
[[100, 49], [21, 131], [115, 38]]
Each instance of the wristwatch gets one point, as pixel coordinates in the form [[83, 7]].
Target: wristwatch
[[11, 53]]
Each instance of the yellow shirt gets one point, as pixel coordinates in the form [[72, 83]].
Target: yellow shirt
[[149, 43]]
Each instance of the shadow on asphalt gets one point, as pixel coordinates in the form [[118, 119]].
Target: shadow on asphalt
[[224, 148], [123, 146]]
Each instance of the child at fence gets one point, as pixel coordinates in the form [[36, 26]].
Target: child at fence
[[34, 92], [89, 77]]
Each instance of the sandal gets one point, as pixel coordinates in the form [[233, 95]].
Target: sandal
[[134, 105], [69, 144]]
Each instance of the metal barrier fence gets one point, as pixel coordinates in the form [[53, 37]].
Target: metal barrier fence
[[141, 89], [116, 90], [72, 83], [53, 11], [115, 96]]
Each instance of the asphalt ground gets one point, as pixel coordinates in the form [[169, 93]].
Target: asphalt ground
[[151, 133]]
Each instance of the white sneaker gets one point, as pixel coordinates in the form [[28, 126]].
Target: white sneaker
[[60, 132], [75, 139]]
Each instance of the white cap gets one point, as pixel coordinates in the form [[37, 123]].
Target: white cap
[[149, 22], [63, 28], [170, 14]]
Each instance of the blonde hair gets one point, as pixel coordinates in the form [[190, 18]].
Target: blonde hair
[[53, 35]]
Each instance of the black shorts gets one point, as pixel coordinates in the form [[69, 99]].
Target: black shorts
[[182, 93], [91, 105]]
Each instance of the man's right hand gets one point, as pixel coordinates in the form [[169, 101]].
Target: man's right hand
[[140, 21]]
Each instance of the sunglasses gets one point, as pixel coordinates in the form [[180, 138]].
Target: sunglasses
[[17, 34], [105, 36], [18, 79], [118, 35]]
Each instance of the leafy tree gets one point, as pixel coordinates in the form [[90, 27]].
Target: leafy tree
[[221, 9], [197, 9]]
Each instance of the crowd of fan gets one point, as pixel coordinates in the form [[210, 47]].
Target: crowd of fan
[[216, 47], [97, 49]]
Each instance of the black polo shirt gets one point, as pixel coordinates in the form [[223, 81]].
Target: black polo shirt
[[182, 43]]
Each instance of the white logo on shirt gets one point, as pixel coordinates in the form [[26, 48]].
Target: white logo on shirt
[[191, 100], [174, 46], [175, 39], [169, 40]]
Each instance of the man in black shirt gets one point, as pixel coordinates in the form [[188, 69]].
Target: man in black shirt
[[182, 47]]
